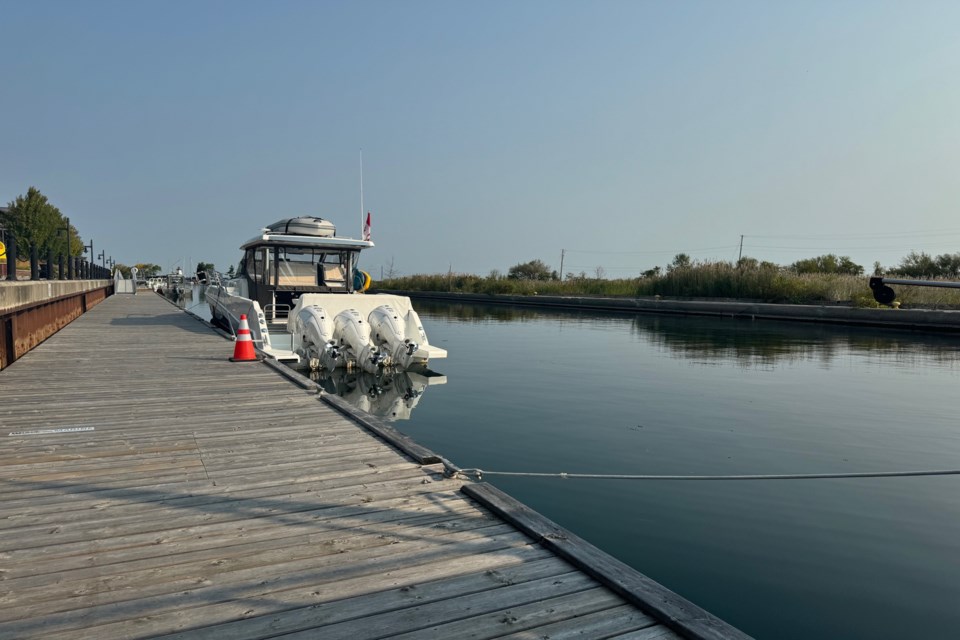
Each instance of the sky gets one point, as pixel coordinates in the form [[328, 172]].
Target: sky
[[611, 135]]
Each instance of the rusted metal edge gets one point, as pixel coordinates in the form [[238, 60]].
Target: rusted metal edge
[[678, 613]]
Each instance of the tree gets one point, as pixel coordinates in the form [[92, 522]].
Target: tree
[[923, 265], [600, 272], [231, 272], [148, 269], [828, 263], [949, 265], [918, 265], [533, 270], [34, 222], [651, 273], [680, 261], [204, 266], [391, 270], [123, 269]]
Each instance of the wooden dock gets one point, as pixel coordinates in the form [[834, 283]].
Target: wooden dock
[[150, 488]]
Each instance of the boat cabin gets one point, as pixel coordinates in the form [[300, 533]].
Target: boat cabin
[[279, 266]]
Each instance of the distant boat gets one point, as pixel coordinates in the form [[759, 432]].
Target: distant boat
[[303, 294]]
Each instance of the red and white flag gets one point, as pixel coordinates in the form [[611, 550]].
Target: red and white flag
[[366, 228]]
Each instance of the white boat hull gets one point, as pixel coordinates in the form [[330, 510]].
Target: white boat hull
[[358, 336]]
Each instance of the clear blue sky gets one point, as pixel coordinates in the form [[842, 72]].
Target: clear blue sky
[[492, 132]]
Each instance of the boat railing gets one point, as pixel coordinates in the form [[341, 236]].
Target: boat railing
[[275, 311], [210, 277]]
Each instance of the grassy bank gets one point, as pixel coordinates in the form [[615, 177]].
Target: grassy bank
[[701, 281]]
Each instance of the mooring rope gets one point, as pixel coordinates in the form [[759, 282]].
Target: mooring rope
[[479, 473]]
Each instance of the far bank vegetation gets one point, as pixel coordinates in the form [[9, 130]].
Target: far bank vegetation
[[823, 279]]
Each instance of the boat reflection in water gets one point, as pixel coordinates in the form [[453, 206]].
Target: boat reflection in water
[[390, 394]]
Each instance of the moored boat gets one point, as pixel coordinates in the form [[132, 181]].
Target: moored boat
[[305, 299]]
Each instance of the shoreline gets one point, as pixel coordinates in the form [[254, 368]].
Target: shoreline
[[904, 319]]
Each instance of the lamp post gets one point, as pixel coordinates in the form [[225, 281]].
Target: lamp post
[[69, 257], [88, 247]]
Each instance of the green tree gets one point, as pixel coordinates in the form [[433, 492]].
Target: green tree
[[148, 269], [123, 269], [533, 270], [231, 272], [651, 273], [680, 261], [828, 263], [34, 222], [949, 265], [918, 265], [204, 266]]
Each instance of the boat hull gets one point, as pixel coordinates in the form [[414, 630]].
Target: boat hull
[[296, 344]]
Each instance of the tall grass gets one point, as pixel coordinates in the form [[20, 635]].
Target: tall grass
[[709, 280]]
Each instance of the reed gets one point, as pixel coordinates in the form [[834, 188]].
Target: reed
[[710, 280]]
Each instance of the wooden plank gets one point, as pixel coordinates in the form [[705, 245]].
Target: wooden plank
[[159, 575], [383, 430], [57, 618], [193, 542], [215, 500], [66, 539], [678, 613], [72, 498], [653, 633], [305, 607], [602, 624], [481, 615], [115, 509]]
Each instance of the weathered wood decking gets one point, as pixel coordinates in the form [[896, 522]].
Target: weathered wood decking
[[218, 500]]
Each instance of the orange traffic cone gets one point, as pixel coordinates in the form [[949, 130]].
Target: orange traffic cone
[[243, 347]]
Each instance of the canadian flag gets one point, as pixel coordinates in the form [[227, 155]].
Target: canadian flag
[[366, 228]]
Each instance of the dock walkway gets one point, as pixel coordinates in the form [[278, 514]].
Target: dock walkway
[[151, 488]]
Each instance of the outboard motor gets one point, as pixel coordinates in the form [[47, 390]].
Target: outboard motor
[[353, 333], [388, 330], [314, 328]]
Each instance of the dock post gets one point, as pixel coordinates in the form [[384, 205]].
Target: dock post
[[34, 263], [11, 257]]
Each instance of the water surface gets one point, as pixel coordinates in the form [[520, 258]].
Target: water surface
[[592, 393], [550, 391]]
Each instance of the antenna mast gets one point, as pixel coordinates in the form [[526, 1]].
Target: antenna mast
[[361, 193]]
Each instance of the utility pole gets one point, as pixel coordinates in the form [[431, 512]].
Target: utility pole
[[740, 255], [562, 252]]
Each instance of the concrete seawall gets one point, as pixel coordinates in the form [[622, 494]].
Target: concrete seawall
[[32, 311], [19, 294], [909, 319]]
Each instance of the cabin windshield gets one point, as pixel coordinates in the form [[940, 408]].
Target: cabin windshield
[[297, 266]]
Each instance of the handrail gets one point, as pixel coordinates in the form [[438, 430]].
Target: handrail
[[885, 295]]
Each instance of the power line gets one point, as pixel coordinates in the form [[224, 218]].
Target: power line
[[671, 252]]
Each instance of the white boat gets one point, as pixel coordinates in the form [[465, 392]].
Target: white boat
[[305, 301]]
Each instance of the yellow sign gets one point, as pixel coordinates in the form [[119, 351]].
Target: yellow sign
[[3, 251]]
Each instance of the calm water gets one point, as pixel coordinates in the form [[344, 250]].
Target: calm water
[[592, 393]]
